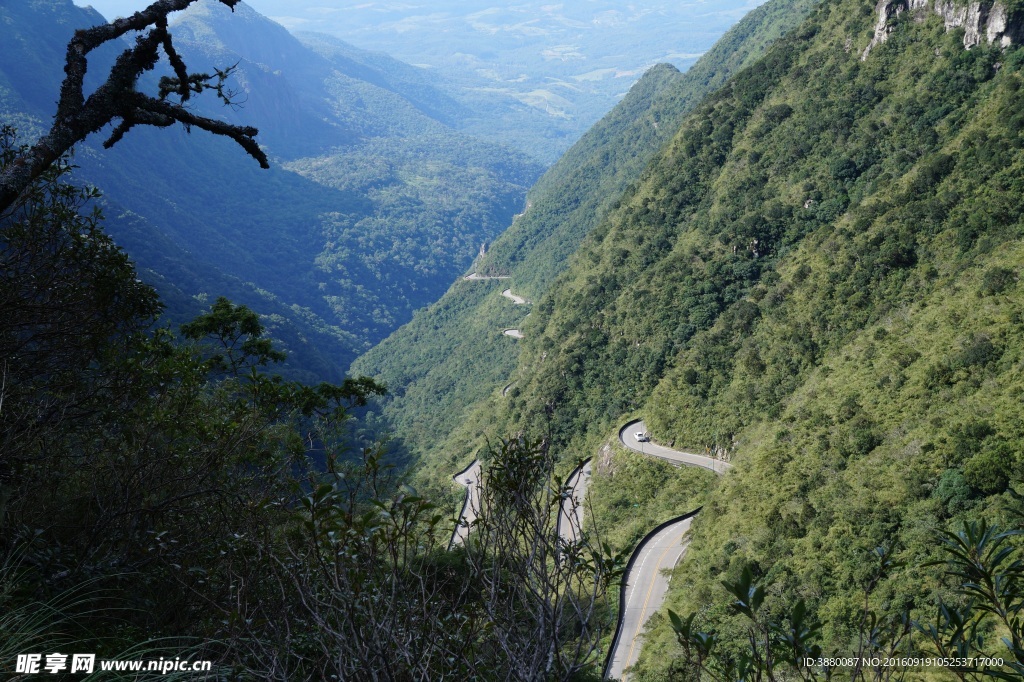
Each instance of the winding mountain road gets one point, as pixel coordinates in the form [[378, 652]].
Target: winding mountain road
[[469, 478], [627, 436], [475, 277], [570, 513], [645, 582], [517, 300], [570, 517]]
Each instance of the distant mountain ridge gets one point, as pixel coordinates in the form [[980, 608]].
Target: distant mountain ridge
[[536, 74], [363, 177], [377, 68], [299, 68]]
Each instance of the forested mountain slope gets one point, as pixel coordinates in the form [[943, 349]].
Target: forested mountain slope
[[817, 278], [452, 354], [372, 207]]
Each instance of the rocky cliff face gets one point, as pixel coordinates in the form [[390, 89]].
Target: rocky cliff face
[[990, 21]]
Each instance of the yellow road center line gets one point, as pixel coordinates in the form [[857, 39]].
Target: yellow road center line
[[636, 633]]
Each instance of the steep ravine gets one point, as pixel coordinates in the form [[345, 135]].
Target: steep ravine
[[645, 581]]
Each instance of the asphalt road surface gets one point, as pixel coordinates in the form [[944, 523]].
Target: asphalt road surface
[[570, 515], [475, 276], [514, 333], [646, 581], [646, 585], [518, 300], [469, 478], [627, 436]]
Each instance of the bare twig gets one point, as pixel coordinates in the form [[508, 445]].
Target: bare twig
[[78, 117]]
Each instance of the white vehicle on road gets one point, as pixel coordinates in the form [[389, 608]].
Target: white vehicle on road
[[641, 437]]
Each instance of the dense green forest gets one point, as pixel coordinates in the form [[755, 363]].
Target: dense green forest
[[424, 363]]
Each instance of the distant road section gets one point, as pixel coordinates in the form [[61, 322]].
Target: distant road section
[[645, 587], [627, 436], [514, 333], [508, 387], [472, 277], [470, 479], [518, 300], [570, 514]]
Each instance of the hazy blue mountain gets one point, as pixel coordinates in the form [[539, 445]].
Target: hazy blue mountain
[[535, 74], [373, 206]]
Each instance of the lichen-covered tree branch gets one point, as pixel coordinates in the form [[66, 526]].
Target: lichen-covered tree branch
[[118, 98]]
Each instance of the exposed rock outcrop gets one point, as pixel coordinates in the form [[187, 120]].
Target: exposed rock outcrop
[[989, 21], [998, 26]]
